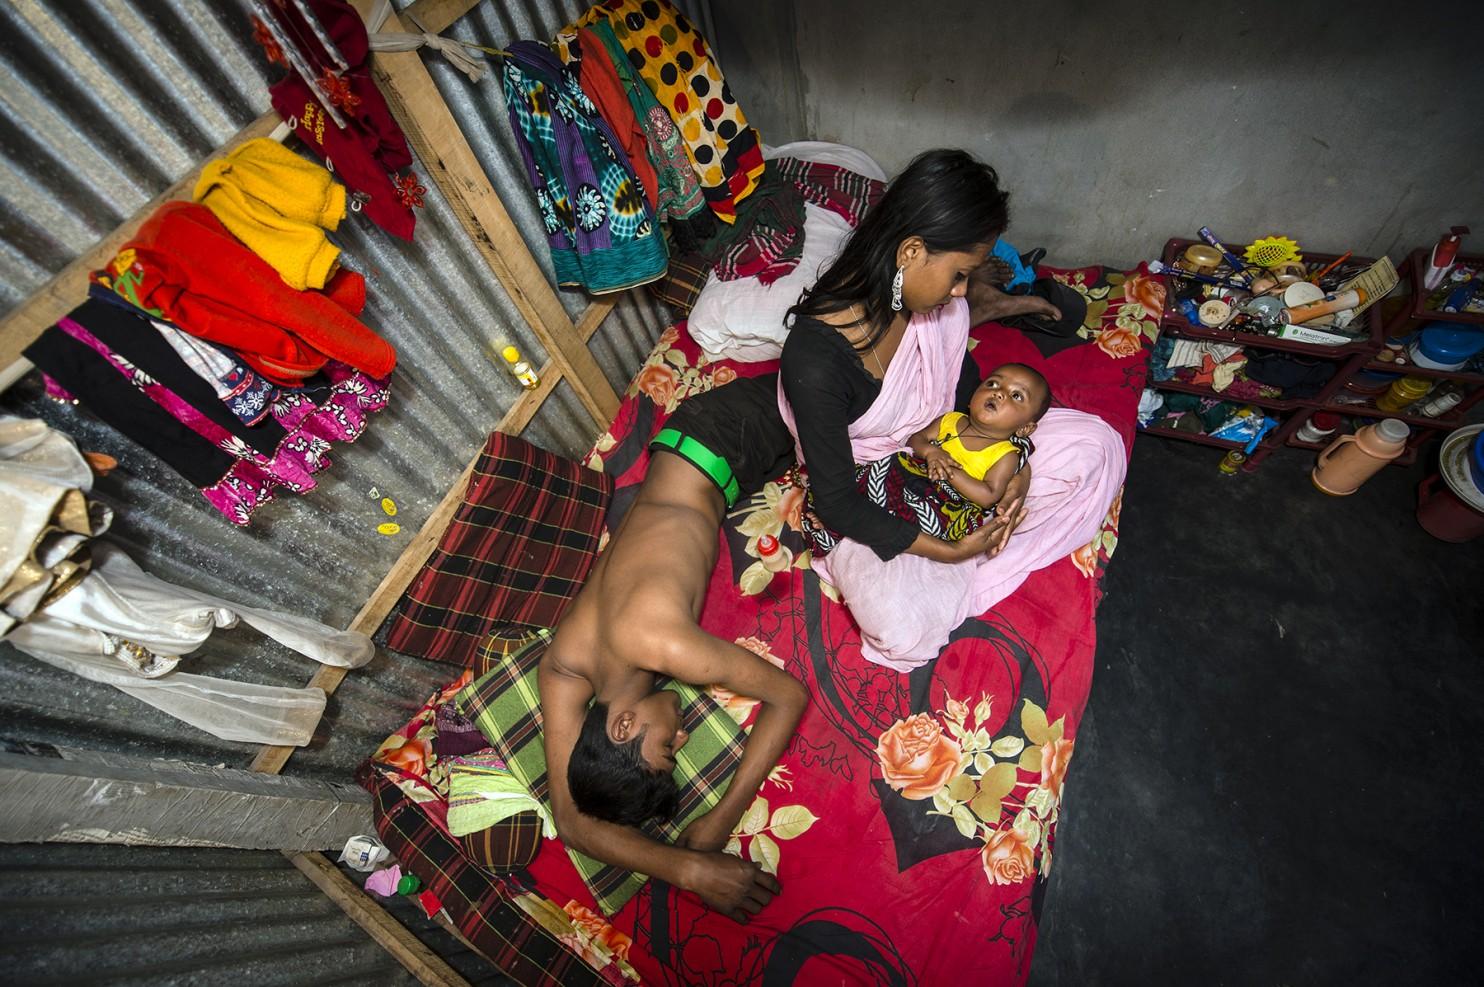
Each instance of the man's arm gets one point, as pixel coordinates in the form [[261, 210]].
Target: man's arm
[[692, 655], [734, 887]]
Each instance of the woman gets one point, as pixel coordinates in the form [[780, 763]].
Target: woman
[[876, 350]]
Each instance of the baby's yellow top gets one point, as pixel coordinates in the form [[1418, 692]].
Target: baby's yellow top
[[976, 464]]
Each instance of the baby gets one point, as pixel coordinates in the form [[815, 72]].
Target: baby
[[972, 453], [956, 474]]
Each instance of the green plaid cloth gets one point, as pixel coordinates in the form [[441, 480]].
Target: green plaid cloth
[[505, 704]]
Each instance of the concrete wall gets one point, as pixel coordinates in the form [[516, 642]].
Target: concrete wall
[[1117, 126]]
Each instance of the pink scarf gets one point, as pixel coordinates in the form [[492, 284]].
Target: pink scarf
[[907, 607], [918, 387]]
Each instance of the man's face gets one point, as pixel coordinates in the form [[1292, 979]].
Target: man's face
[[657, 719]]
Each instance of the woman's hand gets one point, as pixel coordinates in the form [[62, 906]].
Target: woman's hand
[[1010, 510]]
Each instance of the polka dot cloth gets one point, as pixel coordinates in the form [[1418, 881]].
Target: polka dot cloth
[[673, 60]]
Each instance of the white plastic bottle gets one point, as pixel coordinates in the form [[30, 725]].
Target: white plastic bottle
[[521, 369]]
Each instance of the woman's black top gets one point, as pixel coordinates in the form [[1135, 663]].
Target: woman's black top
[[828, 387]]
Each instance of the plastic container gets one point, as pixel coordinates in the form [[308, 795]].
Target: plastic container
[[1404, 392], [1444, 515], [1440, 404], [1446, 345], [1450, 502], [520, 368], [1320, 426], [1476, 460], [1350, 460], [773, 556], [1231, 462]]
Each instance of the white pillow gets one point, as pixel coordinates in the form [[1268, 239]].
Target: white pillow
[[826, 152], [743, 319]]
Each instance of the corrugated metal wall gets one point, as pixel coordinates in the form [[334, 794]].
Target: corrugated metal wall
[[156, 917], [109, 101], [106, 103]]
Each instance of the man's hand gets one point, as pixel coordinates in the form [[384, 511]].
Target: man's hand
[[709, 832], [737, 888]]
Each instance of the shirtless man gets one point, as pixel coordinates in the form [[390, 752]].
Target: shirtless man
[[609, 765]]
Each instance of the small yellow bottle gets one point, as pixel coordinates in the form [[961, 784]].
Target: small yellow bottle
[[522, 370]]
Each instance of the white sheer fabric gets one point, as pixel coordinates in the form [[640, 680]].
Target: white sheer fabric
[[123, 627]]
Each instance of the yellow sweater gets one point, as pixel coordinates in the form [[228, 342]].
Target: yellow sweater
[[279, 205]]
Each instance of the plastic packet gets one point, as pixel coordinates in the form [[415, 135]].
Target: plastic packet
[[363, 853]]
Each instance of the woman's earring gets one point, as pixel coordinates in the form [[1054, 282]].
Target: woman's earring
[[896, 292]]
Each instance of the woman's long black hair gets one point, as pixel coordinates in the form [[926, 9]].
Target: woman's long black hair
[[944, 196]]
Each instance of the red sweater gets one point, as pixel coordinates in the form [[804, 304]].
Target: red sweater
[[184, 266]]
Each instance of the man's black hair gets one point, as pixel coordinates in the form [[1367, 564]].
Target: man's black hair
[[613, 781]]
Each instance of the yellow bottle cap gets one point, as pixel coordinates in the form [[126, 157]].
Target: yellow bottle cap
[[511, 354]]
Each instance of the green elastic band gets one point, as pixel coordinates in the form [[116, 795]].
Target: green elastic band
[[702, 459]]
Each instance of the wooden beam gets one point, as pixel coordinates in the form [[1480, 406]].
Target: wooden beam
[[449, 160], [61, 795], [69, 288], [438, 15], [271, 759], [420, 961]]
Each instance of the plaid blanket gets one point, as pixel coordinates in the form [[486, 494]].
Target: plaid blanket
[[494, 913], [505, 704], [837, 189], [516, 552]]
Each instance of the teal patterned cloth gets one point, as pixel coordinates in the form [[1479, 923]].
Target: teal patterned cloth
[[599, 226]]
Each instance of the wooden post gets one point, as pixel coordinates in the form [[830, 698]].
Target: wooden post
[[445, 153], [420, 961]]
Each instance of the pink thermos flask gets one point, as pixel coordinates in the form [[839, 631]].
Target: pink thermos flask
[[1350, 460]]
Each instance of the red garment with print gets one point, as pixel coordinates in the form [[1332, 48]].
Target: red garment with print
[[912, 819], [184, 266]]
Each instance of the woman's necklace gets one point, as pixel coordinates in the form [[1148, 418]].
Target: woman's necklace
[[854, 310]]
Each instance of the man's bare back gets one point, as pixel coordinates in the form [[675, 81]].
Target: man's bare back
[[654, 572], [637, 617]]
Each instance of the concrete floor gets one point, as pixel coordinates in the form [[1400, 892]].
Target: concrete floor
[[1276, 782]]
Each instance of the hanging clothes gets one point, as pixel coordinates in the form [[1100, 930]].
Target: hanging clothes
[[121, 368], [43, 479], [183, 266], [599, 227], [279, 205], [678, 201], [673, 59], [247, 394], [585, 56], [370, 149], [125, 628]]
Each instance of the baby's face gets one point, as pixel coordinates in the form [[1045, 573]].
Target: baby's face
[[1007, 400]]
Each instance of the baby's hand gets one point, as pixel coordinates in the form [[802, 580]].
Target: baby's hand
[[938, 463]]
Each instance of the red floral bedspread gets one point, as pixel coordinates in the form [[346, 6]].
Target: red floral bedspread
[[912, 821]]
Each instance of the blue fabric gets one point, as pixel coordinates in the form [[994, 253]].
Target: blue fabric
[[1024, 276]]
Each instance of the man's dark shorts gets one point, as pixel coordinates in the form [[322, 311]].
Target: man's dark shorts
[[733, 434]]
